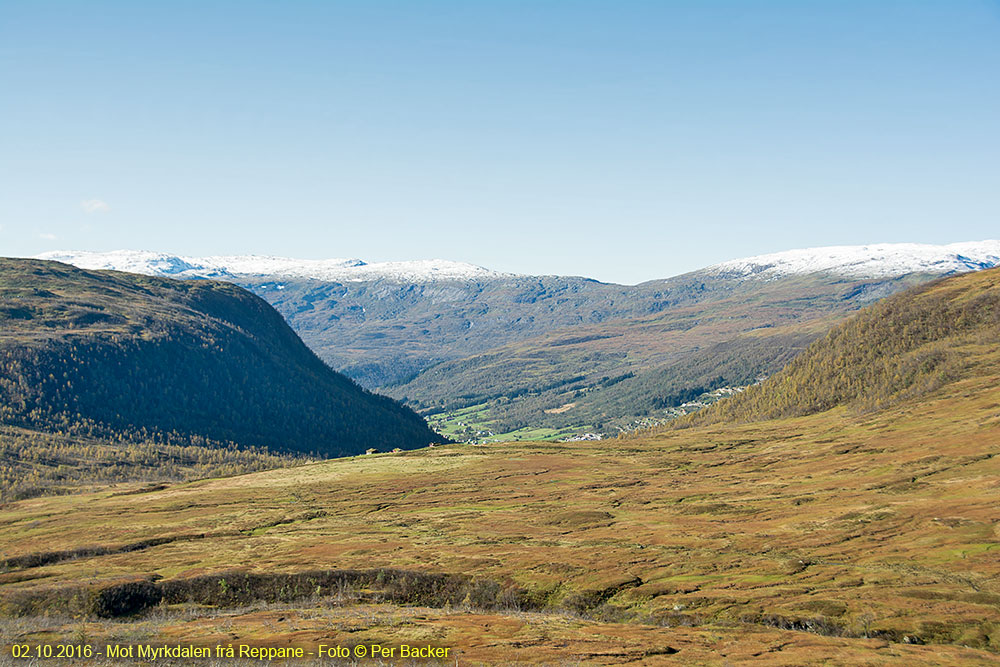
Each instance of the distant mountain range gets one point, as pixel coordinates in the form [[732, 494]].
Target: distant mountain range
[[880, 260], [326, 270], [562, 354], [867, 261]]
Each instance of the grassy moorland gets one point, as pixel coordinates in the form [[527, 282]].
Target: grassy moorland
[[794, 539], [862, 534]]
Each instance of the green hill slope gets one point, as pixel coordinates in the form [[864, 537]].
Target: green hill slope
[[128, 357]]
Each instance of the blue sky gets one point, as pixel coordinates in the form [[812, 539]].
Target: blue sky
[[622, 140]]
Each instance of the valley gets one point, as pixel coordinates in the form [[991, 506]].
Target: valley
[[444, 336], [475, 424], [500, 334], [857, 524]]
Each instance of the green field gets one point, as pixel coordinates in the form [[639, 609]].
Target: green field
[[475, 424]]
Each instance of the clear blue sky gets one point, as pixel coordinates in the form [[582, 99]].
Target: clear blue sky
[[620, 139]]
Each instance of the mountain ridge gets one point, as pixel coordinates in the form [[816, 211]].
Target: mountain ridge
[[231, 266], [868, 261]]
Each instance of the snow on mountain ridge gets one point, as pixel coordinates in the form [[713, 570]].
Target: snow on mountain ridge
[[867, 261], [221, 266]]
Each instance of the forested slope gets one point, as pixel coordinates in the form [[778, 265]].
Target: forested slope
[[621, 370], [129, 357]]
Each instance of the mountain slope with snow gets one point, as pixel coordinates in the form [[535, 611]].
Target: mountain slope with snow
[[881, 260], [234, 266], [868, 261]]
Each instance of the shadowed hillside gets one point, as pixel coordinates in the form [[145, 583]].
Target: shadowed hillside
[[126, 357]]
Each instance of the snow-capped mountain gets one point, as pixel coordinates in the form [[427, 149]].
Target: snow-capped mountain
[[232, 266], [881, 260]]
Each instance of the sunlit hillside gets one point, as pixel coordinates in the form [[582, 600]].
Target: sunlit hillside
[[901, 348]]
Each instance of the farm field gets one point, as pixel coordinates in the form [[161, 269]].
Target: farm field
[[474, 423]]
